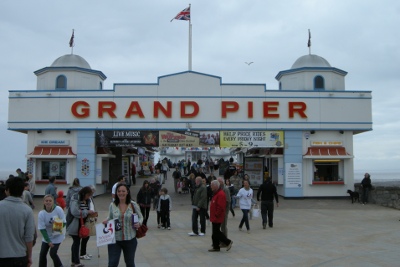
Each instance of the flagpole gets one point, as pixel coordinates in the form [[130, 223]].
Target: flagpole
[[190, 39]]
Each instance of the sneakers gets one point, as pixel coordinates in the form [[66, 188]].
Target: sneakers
[[85, 257], [192, 234], [264, 225], [248, 231], [229, 246], [201, 234], [169, 228], [163, 228], [214, 250], [159, 226]]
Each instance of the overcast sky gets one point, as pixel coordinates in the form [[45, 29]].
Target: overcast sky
[[135, 42]]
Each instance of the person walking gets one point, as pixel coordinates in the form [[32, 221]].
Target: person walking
[[245, 195], [217, 216], [232, 194], [91, 218], [366, 187], [268, 192], [177, 176], [224, 228], [199, 207], [143, 198], [17, 226], [121, 210], [51, 221], [75, 188]]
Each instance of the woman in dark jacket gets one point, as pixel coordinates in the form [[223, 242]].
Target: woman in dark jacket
[[366, 186], [144, 197]]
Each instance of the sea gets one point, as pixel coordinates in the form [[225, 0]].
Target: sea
[[378, 176]]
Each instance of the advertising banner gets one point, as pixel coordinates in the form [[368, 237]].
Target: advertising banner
[[179, 139], [127, 138], [251, 139]]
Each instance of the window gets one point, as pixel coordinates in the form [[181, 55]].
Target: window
[[319, 83], [327, 171], [56, 168], [61, 82]]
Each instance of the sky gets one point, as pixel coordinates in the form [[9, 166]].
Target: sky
[[135, 42]]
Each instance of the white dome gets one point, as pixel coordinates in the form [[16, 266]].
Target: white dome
[[71, 61], [310, 61]]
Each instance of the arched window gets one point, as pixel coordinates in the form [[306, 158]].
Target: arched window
[[319, 83], [61, 82], [101, 86]]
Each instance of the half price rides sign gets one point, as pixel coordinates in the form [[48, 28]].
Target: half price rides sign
[[251, 138]]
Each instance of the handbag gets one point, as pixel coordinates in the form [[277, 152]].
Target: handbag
[[141, 231], [83, 231], [90, 223]]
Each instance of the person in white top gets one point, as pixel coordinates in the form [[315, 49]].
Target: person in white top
[[51, 221], [245, 196], [121, 179]]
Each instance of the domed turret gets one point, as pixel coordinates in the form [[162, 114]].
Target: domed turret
[[69, 72], [311, 72], [71, 60], [312, 61]]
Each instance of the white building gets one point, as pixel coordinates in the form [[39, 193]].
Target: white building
[[303, 132]]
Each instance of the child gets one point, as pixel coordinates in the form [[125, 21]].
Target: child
[[60, 200], [180, 185], [164, 208]]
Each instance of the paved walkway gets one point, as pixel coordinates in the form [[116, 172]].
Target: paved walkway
[[309, 232]]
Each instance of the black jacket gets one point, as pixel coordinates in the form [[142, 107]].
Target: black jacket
[[268, 192]]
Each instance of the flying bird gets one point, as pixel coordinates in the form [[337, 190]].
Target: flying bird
[[248, 63]]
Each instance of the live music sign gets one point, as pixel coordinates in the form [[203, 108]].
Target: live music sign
[[187, 109]]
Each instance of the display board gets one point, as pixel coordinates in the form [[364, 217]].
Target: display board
[[254, 167]]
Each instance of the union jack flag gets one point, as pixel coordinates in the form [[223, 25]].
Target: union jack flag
[[183, 15]]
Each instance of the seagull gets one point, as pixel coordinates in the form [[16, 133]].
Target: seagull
[[249, 63]]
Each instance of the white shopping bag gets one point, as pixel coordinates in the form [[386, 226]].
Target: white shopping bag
[[105, 234], [256, 211]]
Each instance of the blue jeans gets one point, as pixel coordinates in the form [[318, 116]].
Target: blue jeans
[[245, 219], [53, 254], [128, 247]]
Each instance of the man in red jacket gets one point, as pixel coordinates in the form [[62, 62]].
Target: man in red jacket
[[217, 217]]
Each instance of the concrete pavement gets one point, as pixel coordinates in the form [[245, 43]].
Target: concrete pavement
[[307, 232]]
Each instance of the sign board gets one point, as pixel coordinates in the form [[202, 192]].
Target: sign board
[[293, 175], [251, 139], [127, 138], [254, 167], [53, 142], [326, 143], [179, 139]]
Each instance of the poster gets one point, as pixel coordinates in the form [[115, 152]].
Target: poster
[[179, 139], [54, 168], [127, 138], [293, 175], [209, 138], [254, 167], [105, 234], [251, 139]]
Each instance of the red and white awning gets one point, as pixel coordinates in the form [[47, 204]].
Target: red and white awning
[[61, 152], [327, 153]]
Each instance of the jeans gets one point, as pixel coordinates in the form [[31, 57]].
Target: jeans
[[84, 245], [218, 237], [245, 219], [53, 254], [267, 212], [75, 249], [195, 226], [145, 212], [128, 247]]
